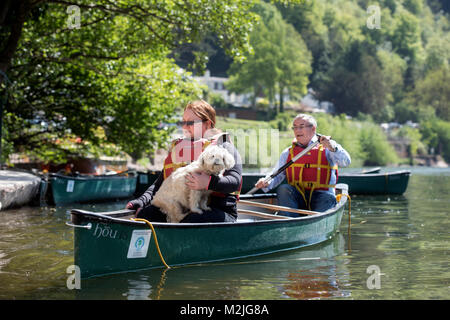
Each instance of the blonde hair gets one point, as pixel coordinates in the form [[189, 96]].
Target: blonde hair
[[203, 110]]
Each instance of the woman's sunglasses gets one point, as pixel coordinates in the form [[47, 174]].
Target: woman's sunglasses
[[189, 123]]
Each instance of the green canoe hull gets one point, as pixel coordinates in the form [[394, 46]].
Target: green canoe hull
[[106, 243], [361, 183], [377, 183], [67, 189]]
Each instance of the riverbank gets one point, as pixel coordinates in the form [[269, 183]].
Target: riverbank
[[17, 188]]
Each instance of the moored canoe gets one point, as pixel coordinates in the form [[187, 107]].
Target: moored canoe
[[78, 189], [376, 183]]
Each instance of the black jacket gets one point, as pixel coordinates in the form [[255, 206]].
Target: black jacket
[[227, 184]]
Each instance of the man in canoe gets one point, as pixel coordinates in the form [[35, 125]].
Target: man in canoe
[[199, 120], [312, 178]]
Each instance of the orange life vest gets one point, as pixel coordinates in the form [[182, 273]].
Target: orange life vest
[[310, 172], [184, 151]]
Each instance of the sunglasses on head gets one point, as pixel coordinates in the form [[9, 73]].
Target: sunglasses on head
[[189, 123]]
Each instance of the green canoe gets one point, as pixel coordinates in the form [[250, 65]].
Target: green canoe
[[72, 189], [376, 183], [110, 242], [365, 182]]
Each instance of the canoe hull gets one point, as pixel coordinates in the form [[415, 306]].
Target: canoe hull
[[114, 245], [66, 189], [377, 183]]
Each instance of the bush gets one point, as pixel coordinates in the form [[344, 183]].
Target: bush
[[436, 134], [6, 147], [364, 140], [374, 143]]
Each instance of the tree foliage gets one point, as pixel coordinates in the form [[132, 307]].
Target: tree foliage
[[115, 73], [378, 71], [100, 70], [280, 62]]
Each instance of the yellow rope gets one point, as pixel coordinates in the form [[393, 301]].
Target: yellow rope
[[154, 237], [338, 198]]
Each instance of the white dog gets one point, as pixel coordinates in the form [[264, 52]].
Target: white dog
[[175, 199]]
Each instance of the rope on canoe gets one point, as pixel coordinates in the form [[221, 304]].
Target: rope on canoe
[[154, 237], [338, 198]]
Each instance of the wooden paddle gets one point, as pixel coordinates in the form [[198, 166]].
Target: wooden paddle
[[288, 164], [277, 208]]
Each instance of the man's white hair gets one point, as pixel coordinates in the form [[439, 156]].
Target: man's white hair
[[307, 118]]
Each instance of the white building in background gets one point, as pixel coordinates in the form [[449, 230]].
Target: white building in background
[[217, 85], [316, 105]]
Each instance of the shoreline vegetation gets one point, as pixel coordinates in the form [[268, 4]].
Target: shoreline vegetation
[[261, 142]]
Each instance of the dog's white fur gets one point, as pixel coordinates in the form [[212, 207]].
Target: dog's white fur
[[175, 198]]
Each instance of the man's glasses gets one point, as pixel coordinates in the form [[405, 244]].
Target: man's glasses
[[301, 127], [189, 123]]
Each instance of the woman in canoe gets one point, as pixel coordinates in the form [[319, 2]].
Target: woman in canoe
[[312, 178], [199, 120]]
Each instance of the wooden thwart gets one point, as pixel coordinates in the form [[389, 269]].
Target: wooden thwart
[[276, 208], [262, 215]]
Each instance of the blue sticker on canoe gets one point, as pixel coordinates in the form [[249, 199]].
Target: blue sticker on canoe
[[140, 239]]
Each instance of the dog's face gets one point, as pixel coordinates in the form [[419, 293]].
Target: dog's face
[[215, 159]]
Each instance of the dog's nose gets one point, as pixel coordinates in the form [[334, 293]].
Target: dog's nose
[[217, 161]]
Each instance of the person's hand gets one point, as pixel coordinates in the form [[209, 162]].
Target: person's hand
[[326, 142], [261, 184], [133, 206], [197, 181]]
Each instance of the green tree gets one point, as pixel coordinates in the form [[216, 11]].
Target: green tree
[[307, 19], [436, 134], [104, 72], [393, 69], [280, 61], [433, 93], [355, 84]]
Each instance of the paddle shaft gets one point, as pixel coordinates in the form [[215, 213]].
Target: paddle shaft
[[288, 164], [277, 208]]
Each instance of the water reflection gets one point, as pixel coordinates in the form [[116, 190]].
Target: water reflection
[[311, 284], [406, 236], [266, 277]]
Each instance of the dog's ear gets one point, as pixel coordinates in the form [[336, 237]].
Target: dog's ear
[[228, 159]]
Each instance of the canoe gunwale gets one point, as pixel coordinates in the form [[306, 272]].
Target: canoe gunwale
[[382, 174], [113, 217], [54, 176]]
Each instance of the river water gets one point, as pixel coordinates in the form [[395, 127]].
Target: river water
[[397, 248]]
